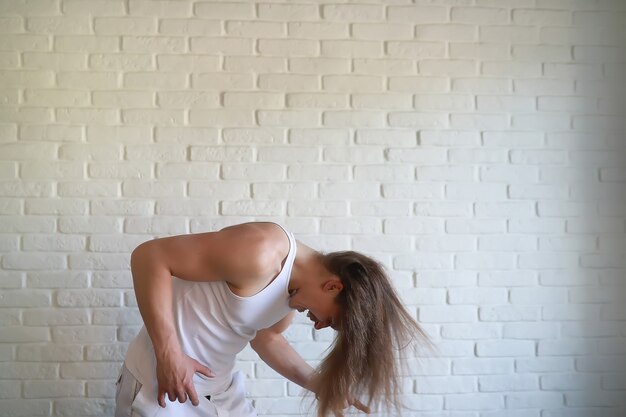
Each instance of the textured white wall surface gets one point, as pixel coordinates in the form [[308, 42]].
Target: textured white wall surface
[[463, 143]]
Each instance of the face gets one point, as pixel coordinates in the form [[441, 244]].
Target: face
[[320, 302]]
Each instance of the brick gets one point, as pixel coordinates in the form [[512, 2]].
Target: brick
[[58, 389], [26, 189], [126, 207], [89, 298], [132, 26], [470, 331], [33, 260], [98, 261], [133, 170], [161, 188], [486, 86], [84, 407], [538, 295], [92, 188], [91, 224], [447, 314], [20, 298], [509, 33], [112, 279], [445, 384], [252, 208], [425, 191], [566, 312], [505, 348], [380, 208], [474, 401], [101, 389], [477, 296], [356, 155], [318, 172], [544, 365], [190, 207], [441, 208], [498, 383], [507, 243], [25, 334], [225, 11], [412, 226], [530, 330], [56, 98], [126, 99], [155, 225], [219, 189], [432, 260], [365, 84], [290, 154], [117, 316], [26, 370], [476, 191], [67, 206], [441, 102], [504, 313], [9, 389], [507, 279], [82, 334], [416, 120], [422, 14], [319, 208], [122, 134], [480, 226], [565, 347], [157, 44], [535, 400], [53, 317], [26, 408], [283, 190], [114, 243]]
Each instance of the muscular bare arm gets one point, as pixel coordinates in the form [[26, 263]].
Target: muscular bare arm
[[274, 350], [234, 254]]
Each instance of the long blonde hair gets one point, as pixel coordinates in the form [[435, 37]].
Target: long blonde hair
[[373, 327]]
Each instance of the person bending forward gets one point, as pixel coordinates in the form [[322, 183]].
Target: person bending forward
[[203, 297]]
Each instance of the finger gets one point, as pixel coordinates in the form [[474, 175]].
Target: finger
[[171, 395], [204, 370], [360, 406], [182, 396], [161, 397], [193, 396]]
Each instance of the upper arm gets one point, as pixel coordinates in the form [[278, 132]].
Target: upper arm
[[234, 253]]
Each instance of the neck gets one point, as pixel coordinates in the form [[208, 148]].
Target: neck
[[305, 267]]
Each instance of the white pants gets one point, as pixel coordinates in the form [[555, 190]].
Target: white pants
[[134, 399]]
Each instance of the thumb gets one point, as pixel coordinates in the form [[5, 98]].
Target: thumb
[[204, 370]]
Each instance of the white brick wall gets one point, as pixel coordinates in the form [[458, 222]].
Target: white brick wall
[[461, 142]]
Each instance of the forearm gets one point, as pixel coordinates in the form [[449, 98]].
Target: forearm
[[153, 289], [280, 356]]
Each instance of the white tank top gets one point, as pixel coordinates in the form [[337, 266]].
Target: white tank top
[[214, 325]]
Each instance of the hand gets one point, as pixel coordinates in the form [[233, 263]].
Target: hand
[[175, 377], [358, 405]]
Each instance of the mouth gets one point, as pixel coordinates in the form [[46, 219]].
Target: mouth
[[317, 323]]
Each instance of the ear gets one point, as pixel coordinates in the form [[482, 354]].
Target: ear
[[333, 285]]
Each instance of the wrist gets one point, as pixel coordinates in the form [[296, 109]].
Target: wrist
[[312, 383], [167, 350]]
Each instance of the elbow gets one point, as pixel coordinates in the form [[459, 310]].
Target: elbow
[[262, 339], [143, 255], [138, 253]]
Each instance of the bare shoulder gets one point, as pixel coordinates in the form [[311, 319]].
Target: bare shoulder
[[238, 254], [257, 252]]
